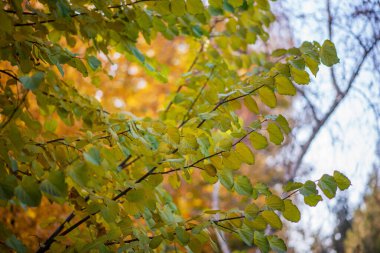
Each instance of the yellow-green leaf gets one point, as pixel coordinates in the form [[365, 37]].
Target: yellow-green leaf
[[291, 212], [284, 86], [275, 134], [243, 185], [272, 219], [251, 104], [258, 141], [274, 202], [267, 97], [244, 153], [341, 180], [299, 76], [261, 241]]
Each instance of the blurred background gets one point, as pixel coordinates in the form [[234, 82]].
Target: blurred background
[[336, 124]]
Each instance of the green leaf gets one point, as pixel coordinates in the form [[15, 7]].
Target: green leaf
[[178, 7], [328, 185], [284, 86], [182, 235], [274, 202], [312, 64], [276, 243], [251, 210], [258, 141], [136, 195], [279, 52], [226, 178], [261, 241], [259, 223], [28, 192], [328, 54], [6, 23], [236, 3], [33, 82], [298, 63], [312, 200], [283, 123], [194, 6], [79, 65], [267, 97], [15, 244], [110, 211], [272, 219], [210, 170], [291, 212], [299, 76], [8, 184], [244, 153], [263, 4], [342, 181], [291, 186], [251, 104], [93, 62], [309, 188], [55, 184], [155, 242], [275, 134], [243, 185], [93, 156], [246, 235]]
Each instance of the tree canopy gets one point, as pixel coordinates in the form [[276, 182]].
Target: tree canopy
[[113, 171]]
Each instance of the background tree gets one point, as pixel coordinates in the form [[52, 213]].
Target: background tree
[[354, 27], [110, 170]]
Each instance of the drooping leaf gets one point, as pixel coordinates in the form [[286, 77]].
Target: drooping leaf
[[258, 141], [251, 104], [291, 186], [32, 83], [328, 54], [284, 86], [283, 123], [341, 180], [194, 6], [272, 219], [312, 200], [243, 185], [309, 188], [7, 186], [182, 235], [275, 134], [276, 243], [261, 242], [226, 178], [267, 97], [291, 212], [28, 191], [155, 242], [244, 153], [93, 156], [251, 210], [93, 62], [274, 202], [55, 184], [328, 185], [299, 76]]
